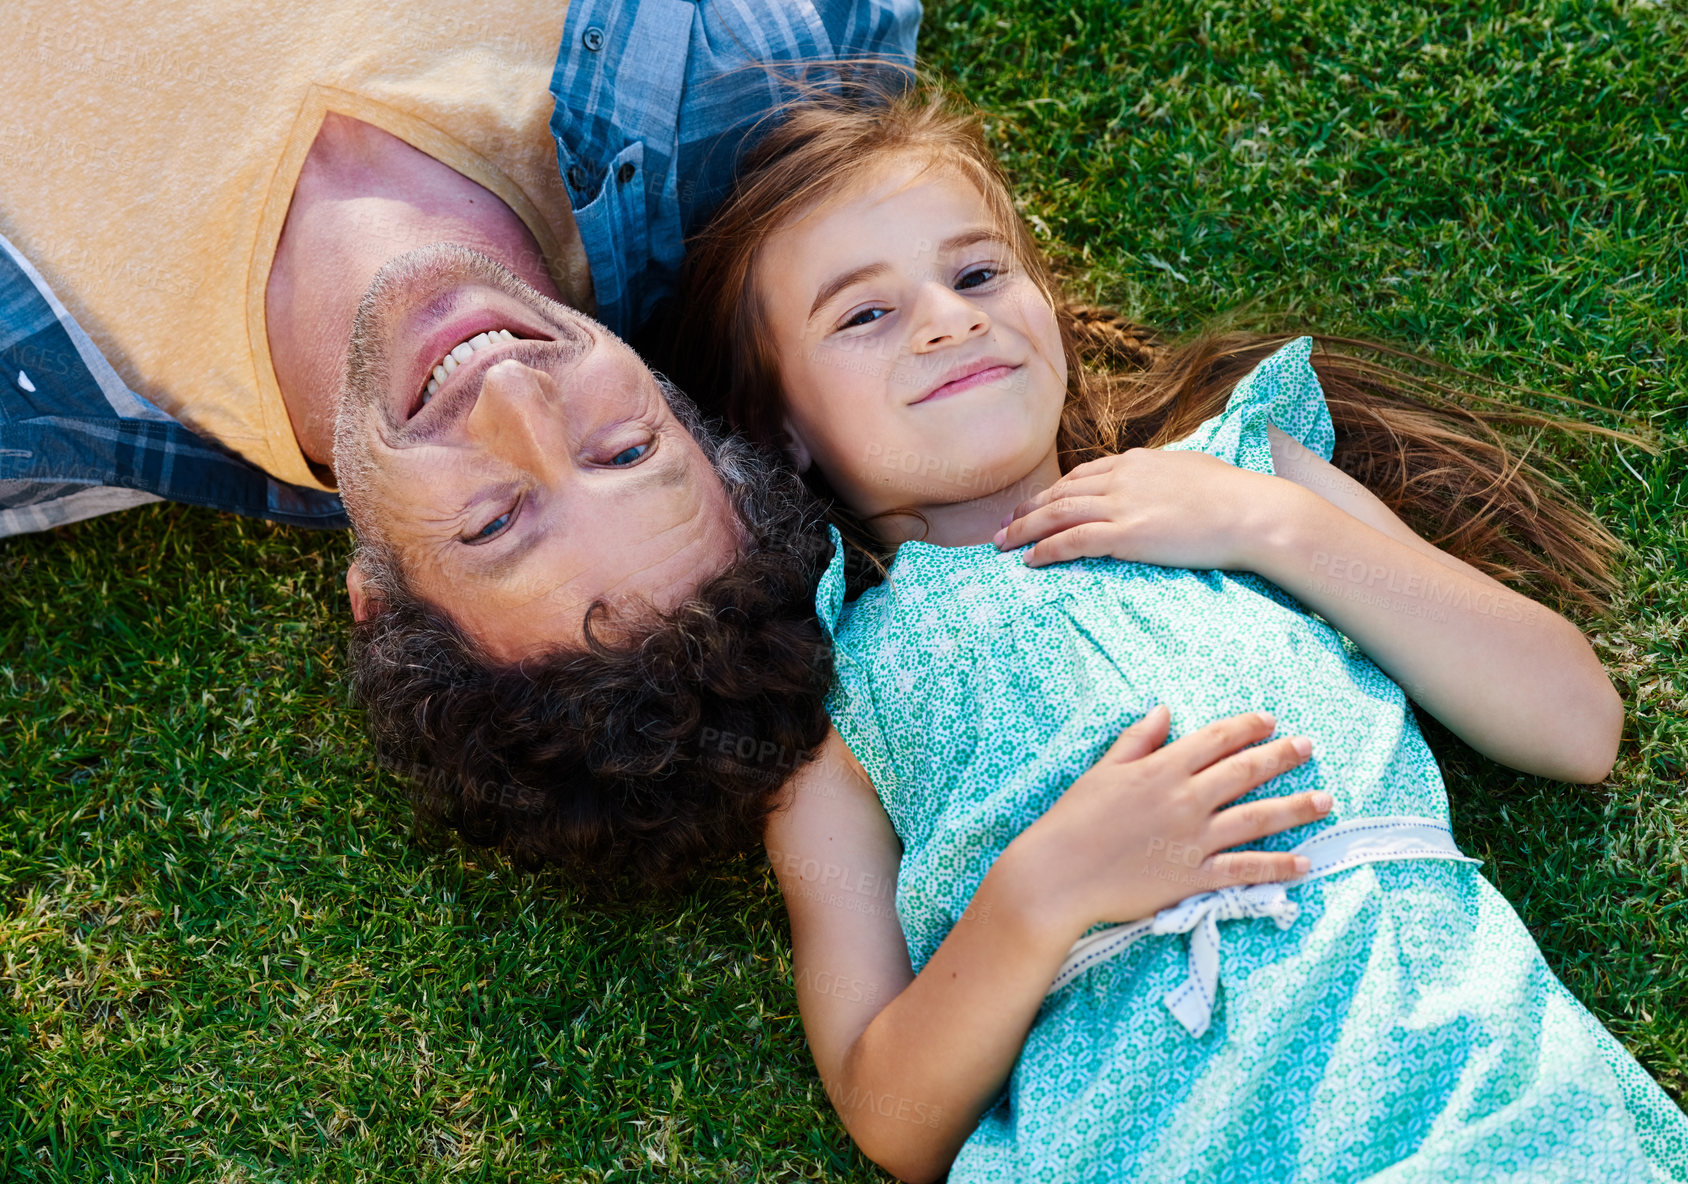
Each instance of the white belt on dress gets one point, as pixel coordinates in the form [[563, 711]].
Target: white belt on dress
[[1334, 849]]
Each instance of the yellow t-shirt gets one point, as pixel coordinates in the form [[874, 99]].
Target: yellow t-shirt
[[148, 156]]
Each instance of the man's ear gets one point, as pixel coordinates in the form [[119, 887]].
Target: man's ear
[[795, 450], [364, 605]]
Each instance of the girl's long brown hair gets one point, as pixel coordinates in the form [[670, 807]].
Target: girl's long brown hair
[[1440, 460]]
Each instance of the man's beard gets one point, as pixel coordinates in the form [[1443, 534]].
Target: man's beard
[[768, 498], [365, 393]]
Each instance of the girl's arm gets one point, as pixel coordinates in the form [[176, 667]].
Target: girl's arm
[[910, 1062], [1509, 677]]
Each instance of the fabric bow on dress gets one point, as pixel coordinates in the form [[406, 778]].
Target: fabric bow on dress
[[1191, 1002]]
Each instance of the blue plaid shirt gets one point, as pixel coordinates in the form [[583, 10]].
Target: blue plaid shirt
[[653, 98]]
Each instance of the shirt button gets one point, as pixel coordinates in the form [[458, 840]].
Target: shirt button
[[577, 176], [593, 39], [625, 173]]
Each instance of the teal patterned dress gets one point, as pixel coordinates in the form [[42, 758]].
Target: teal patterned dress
[[1403, 1028]]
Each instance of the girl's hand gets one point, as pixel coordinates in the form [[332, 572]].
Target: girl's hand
[[942, 1043], [1143, 829], [1147, 505]]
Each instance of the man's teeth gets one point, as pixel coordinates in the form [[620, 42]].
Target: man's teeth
[[461, 353]]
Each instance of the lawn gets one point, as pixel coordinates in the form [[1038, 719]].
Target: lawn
[[225, 956]]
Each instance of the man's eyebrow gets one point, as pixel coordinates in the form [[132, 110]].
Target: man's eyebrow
[[505, 564], [500, 568], [839, 282]]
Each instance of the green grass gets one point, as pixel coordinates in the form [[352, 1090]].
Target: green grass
[[223, 956]]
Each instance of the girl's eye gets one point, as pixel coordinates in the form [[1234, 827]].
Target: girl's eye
[[865, 317], [628, 455], [973, 277]]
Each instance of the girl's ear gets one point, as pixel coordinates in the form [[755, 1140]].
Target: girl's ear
[[795, 449]]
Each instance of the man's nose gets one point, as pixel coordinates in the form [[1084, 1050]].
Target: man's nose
[[944, 317], [518, 418]]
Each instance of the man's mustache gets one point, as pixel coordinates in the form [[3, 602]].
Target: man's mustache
[[441, 270], [446, 411]]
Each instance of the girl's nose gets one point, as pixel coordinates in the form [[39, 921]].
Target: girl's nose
[[946, 317]]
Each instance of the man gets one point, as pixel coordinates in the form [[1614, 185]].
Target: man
[[548, 477], [192, 206], [544, 473]]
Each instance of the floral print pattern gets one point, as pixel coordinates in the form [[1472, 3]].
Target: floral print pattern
[[1404, 1028]]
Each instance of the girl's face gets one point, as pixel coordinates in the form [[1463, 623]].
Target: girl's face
[[921, 365]]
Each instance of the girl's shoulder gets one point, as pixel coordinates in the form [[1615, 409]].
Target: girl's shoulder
[[1282, 391], [917, 573], [829, 593], [931, 590]]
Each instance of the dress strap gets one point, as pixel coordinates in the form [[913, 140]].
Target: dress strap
[[1334, 849]]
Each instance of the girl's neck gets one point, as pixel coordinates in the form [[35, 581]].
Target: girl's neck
[[968, 523]]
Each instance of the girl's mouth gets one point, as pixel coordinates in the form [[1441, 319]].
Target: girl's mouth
[[972, 376]]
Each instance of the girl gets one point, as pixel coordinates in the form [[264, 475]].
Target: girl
[[869, 301]]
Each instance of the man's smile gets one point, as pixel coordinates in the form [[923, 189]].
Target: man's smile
[[460, 353]]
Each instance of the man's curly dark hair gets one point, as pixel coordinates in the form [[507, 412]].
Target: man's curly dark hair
[[650, 754]]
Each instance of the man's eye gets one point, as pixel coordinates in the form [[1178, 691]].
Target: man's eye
[[628, 455], [865, 317], [973, 277], [494, 528]]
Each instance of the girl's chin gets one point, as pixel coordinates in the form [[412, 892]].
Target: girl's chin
[[934, 479]]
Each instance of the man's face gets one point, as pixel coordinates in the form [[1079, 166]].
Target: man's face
[[545, 472]]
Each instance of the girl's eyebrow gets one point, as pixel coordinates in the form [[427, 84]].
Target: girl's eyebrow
[[954, 242], [968, 238], [839, 282]]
